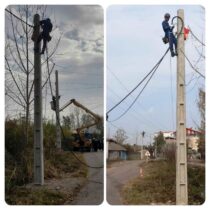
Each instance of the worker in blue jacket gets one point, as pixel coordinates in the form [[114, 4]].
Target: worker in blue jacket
[[45, 34], [169, 36]]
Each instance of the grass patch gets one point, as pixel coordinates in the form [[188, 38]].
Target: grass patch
[[157, 186], [23, 196], [64, 162], [61, 164]]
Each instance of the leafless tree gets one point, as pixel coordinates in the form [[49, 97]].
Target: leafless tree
[[19, 65], [120, 136]]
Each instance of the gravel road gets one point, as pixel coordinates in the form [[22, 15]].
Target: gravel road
[[117, 176], [92, 192]]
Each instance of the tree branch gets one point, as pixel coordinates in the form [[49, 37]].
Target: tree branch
[[14, 79]]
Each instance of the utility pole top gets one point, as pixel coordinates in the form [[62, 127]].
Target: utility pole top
[[36, 19], [180, 12], [36, 30]]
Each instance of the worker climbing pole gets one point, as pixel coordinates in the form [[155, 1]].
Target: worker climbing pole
[[169, 36], [38, 124], [37, 36], [46, 26]]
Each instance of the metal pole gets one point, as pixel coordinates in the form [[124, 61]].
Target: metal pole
[[38, 127], [181, 152], [58, 131], [142, 147]]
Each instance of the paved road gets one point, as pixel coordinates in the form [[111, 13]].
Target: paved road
[[92, 192], [119, 174]]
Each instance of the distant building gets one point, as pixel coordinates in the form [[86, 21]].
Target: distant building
[[192, 136], [115, 151]]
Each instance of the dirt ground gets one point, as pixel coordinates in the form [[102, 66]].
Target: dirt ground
[[118, 174], [92, 191]]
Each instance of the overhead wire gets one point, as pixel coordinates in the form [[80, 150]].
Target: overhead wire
[[18, 18], [132, 90], [191, 65], [151, 73], [139, 104], [136, 114], [196, 37]]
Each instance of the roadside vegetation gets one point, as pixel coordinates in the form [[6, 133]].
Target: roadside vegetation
[[19, 165], [157, 185]]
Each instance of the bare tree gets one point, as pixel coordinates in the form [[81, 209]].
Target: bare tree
[[120, 136], [202, 109], [77, 113], [19, 58]]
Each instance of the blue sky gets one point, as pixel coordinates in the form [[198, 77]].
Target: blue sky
[[134, 46]]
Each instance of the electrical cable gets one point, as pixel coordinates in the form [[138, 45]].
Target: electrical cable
[[182, 27], [18, 18], [191, 65], [196, 37], [139, 104], [152, 72]]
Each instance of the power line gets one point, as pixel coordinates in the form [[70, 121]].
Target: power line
[[131, 90], [196, 37], [135, 116], [152, 72], [150, 121], [130, 106], [18, 18], [191, 65]]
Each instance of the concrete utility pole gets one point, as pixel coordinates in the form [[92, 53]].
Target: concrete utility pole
[[181, 151], [38, 127], [142, 148], [57, 108]]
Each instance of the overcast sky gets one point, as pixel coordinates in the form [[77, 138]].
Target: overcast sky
[[79, 57], [134, 45]]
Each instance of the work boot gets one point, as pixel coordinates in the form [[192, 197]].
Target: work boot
[[176, 53], [42, 52], [172, 54]]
